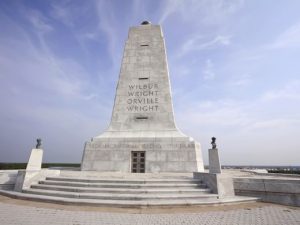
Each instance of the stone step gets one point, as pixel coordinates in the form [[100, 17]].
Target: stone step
[[125, 203], [129, 197], [122, 185], [126, 181], [119, 190]]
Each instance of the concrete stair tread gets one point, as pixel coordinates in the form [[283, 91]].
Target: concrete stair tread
[[119, 195], [120, 185], [125, 203], [118, 190], [124, 180]]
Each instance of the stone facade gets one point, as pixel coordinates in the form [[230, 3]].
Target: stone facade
[[142, 118]]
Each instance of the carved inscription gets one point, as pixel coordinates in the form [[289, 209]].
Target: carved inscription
[[135, 146], [142, 97]]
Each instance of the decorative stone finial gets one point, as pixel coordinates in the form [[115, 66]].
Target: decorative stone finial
[[145, 22], [38, 143], [213, 142]]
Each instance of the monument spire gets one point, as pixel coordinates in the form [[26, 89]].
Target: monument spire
[[143, 98]]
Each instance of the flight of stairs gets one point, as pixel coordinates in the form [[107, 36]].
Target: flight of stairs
[[111, 189], [124, 191]]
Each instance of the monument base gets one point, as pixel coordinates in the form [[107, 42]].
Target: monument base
[[221, 184], [142, 155]]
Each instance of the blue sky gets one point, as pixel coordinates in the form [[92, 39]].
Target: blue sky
[[234, 69]]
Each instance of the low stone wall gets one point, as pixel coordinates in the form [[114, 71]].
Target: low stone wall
[[276, 190], [8, 179], [19, 179], [25, 178]]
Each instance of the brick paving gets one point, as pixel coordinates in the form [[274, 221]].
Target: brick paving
[[271, 214]]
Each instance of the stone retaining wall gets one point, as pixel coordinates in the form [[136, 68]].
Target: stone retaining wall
[[276, 190], [8, 179]]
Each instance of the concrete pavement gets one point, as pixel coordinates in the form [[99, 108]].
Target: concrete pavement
[[14, 211]]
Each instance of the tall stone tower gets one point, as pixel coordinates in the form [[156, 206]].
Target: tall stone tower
[[142, 135]]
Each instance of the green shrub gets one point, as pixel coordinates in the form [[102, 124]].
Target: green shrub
[[18, 166]]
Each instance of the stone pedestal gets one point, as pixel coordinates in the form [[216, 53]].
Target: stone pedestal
[[26, 177], [221, 184], [178, 154], [35, 159], [214, 161]]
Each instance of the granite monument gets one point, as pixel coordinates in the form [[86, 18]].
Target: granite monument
[[142, 136]]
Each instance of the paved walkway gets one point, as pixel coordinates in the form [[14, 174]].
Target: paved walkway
[[19, 212]]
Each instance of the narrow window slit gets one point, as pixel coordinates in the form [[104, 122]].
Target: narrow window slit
[[142, 117], [144, 45], [143, 78]]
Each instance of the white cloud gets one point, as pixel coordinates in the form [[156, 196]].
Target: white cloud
[[220, 113], [170, 7], [290, 38], [39, 68], [107, 23], [290, 91], [201, 43], [139, 9], [281, 123], [61, 12], [240, 81], [204, 11], [48, 96], [247, 132], [208, 71], [90, 35], [40, 22]]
